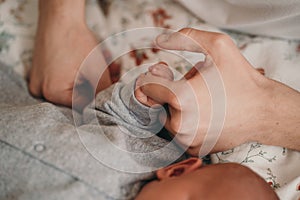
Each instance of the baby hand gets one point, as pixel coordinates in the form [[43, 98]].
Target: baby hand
[[160, 69]]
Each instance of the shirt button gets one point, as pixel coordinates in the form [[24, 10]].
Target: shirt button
[[39, 147]]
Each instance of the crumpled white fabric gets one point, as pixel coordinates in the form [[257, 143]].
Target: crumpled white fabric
[[268, 17]]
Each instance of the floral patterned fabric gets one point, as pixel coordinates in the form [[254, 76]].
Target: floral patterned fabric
[[279, 58]]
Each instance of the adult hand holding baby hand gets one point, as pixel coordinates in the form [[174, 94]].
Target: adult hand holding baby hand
[[247, 98]]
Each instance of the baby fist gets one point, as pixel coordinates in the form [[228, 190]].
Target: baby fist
[[160, 69]]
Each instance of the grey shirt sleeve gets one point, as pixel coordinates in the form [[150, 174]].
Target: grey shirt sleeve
[[119, 114], [147, 117], [118, 105]]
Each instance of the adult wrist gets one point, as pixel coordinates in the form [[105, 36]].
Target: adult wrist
[[66, 10], [280, 122], [265, 113]]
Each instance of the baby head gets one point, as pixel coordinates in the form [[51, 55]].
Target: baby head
[[190, 180]]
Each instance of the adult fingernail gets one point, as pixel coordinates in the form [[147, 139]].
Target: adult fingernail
[[163, 63], [162, 38]]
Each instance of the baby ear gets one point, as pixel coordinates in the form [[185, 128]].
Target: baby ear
[[179, 169]]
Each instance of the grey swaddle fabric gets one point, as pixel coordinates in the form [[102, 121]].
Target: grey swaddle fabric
[[44, 154]]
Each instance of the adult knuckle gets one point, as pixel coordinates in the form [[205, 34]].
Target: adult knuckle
[[186, 31], [221, 40], [190, 35]]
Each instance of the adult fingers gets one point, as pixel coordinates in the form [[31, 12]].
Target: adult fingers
[[189, 39]]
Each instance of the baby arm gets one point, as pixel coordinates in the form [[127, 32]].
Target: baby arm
[[126, 105]]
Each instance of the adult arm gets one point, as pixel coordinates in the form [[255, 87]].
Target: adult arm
[[257, 108]]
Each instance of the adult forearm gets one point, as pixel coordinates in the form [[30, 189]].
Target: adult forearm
[[64, 9], [281, 126]]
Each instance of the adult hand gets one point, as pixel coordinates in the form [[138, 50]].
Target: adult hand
[[249, 97], [62, 43]]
